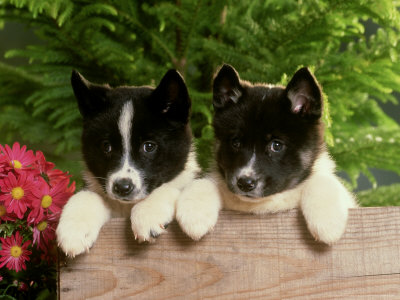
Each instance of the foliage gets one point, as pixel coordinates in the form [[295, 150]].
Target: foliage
[[134, 42], [381, 196]]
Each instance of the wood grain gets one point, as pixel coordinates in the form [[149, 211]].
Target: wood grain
[[245, 257]]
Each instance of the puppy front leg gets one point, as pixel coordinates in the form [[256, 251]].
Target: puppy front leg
[[198, 207], [325, 203], [150, 216], [80, 222]]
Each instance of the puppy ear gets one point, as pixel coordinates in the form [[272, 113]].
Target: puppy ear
[[91, 97], [305, 94], [171, 97], [226, 87]]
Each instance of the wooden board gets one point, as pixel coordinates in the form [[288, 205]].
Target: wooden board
[[245, 257]]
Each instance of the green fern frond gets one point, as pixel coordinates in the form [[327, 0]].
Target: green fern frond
[[381, 196]]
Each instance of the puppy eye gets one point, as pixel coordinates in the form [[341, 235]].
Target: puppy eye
[[276, 146], [235, 142], [149, 147], [106, 147]]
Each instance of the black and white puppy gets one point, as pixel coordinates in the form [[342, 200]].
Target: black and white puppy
[[137, 148], [271, 155]]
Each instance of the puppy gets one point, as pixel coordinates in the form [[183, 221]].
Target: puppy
[[137, 148], [271, 155]]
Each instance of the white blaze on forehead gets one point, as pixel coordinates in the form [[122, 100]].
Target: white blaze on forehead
[[125, 126], [127, 169]]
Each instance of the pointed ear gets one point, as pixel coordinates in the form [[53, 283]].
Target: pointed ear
[[171, 97], [91, 97], [305, 94], [226, 87]]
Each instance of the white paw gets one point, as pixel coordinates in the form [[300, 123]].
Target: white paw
[[328, 229], [198, 208], [80, 222], [151, 216], [325, 207], [75, 236]]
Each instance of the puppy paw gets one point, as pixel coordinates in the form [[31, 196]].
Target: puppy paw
[[151, 216], [325, 207], [198, 207], [328, 229], [80, 223], [75, 237]]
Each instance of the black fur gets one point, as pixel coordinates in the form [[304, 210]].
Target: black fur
[[257, 117], [161, 115]]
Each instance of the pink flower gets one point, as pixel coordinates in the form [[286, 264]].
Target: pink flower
[[14, 253], [55, 176], [41, 164], [4, 215], [71, 189], [16, 193], [47, 171], [45, 231], [48, 199], [16, 158]]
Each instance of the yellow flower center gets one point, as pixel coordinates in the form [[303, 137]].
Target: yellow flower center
[[2, 210], [15, 164], [46, 201], [16, 251], [17, 193], [42, 225]]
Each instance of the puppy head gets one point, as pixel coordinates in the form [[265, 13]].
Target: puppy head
[[134, 138], [268, 137]]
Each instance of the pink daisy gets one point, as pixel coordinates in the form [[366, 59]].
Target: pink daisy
[[16, 193], [70, 190], [56, 175], [17, 158], [47, 171], [48, 199], [45, 231], [41, 164], [14, 253], [2, 164]]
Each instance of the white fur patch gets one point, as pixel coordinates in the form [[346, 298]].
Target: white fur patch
[[80, 222], [198, 207], [149, 216], [325, 203], [125, 125], [127, 168]]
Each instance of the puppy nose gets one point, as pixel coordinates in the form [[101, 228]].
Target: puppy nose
[[247, 184], [123, 187]]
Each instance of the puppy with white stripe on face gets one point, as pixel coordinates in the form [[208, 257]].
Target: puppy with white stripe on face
[[137, 148], [271, 155]]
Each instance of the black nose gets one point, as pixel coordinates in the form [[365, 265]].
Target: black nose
[[246, 184], [123, 187]]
